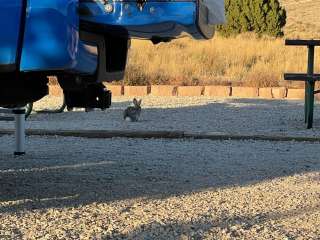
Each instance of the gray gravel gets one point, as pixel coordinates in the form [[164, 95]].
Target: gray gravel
[[73, 188], [196, 114]]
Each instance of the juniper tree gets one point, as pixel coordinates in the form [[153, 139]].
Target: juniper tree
[[259, 16]]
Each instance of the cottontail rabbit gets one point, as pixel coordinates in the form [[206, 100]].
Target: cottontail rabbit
[[133, 113]]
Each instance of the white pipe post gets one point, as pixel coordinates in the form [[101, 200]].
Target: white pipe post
[[20, 131]]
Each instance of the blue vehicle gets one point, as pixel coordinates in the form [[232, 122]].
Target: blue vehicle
[[85, 42]]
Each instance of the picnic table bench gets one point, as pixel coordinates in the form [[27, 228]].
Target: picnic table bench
[[309, 78]]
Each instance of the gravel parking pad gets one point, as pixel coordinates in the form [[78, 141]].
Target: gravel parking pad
[[74, 188], [196, 114]]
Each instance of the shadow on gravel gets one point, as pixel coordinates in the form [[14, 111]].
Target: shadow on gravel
[[66, 172], [228, 116], [208, 228]]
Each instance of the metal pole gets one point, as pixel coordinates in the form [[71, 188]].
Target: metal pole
[[310, 88], [20, 134]]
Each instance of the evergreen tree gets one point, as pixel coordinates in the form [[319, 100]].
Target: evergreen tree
[[259, 16]]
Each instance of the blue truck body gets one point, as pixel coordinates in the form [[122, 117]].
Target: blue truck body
[[45, 35], [51, 38], [155, 19], [84, 43], [10, 23]]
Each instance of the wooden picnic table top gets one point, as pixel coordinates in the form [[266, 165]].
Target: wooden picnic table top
[[301, 77], [301, 42]]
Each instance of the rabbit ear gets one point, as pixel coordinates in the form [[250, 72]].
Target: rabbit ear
[[135, 102]]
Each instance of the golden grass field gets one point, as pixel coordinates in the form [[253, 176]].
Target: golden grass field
[[242, 60]]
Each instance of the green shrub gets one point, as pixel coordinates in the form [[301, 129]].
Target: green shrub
[[259, 16]]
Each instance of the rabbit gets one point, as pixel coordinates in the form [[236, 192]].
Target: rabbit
[[133, 113]]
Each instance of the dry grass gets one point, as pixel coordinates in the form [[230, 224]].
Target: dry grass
[[244, 60], [303, 18]]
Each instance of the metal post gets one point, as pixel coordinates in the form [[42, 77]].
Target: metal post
[[19, 117], [309, 104]]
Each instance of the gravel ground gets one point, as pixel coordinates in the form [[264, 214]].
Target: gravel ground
[[74, 188], [198, 114]]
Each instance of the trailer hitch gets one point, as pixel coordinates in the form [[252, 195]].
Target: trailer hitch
[[140, 4]]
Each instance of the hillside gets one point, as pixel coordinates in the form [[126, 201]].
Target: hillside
[[303, 18]]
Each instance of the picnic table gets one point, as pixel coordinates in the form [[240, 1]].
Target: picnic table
[[309, 78]]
